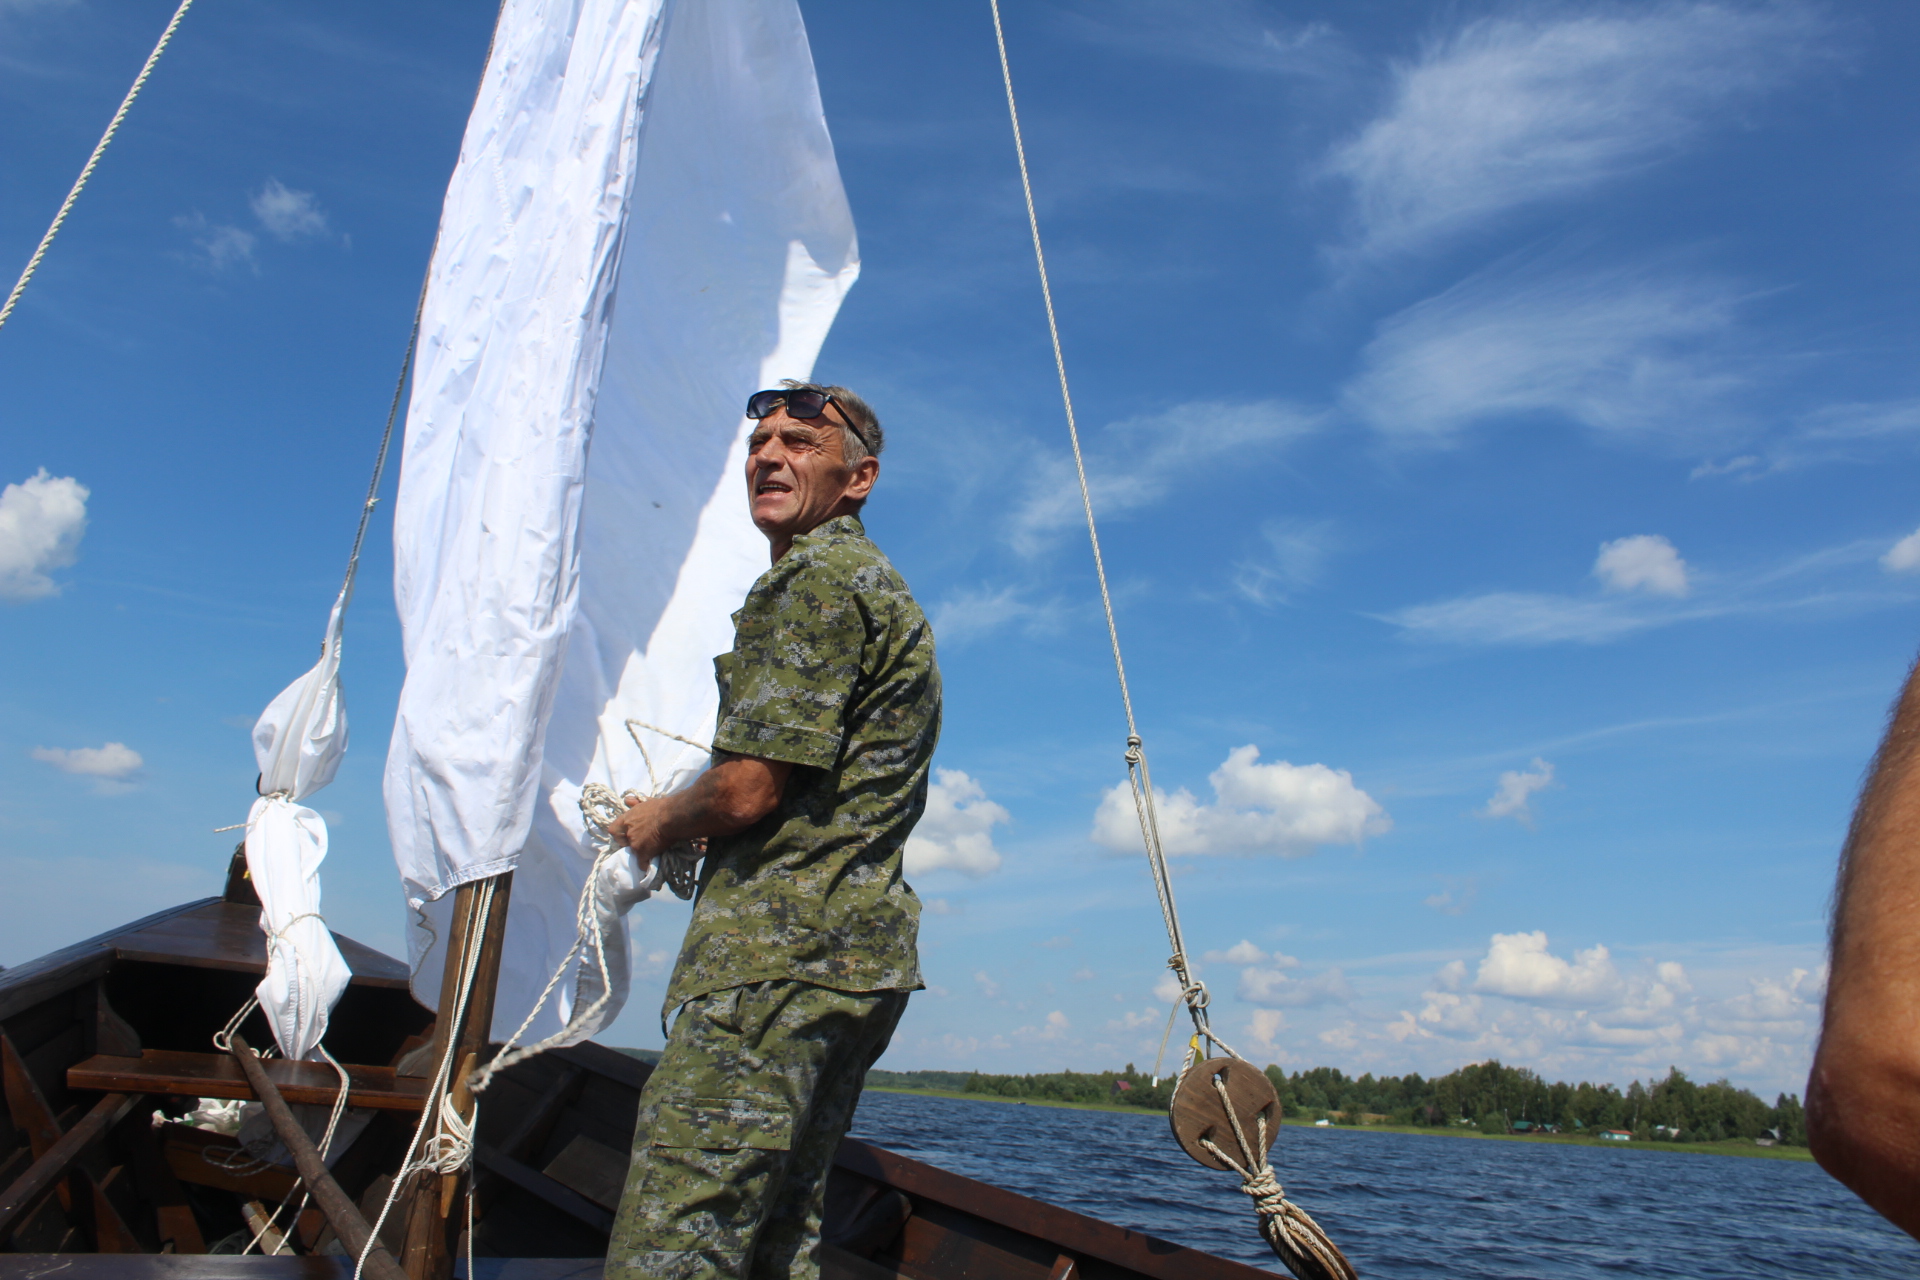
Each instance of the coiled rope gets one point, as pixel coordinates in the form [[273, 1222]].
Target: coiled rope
[[599, 806], [1290, 1231], [99, 149]]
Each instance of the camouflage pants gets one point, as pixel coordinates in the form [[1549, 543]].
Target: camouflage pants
[[737, 1131]]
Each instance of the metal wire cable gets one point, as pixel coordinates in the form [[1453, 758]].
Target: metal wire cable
[[100, 149], [1138, 776]]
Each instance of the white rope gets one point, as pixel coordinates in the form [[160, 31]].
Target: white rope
[[1294, 1236], [100, 149], [433, 1106], [1138, 777], [326, 1146], [598, 808]]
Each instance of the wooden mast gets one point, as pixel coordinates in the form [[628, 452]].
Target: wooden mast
[[433, 1226]]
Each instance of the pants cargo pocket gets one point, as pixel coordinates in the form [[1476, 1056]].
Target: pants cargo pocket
[[724, 1124]]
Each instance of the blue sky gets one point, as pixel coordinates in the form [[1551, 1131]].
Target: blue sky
[[1503, 420]]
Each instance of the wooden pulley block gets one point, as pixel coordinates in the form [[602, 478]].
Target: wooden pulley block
[[1198, 1112]]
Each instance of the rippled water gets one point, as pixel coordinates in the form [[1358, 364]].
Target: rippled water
[[1411, 1205]]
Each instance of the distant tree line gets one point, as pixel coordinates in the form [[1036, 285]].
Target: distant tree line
[[1489, 1096]]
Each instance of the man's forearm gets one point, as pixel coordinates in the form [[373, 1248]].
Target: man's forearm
[[1863, 1097], [735, 793]]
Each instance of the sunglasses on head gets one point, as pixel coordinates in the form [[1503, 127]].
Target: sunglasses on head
[[800, 404]]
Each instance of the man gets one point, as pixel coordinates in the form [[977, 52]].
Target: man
[[1863, 1098], [802, 949]]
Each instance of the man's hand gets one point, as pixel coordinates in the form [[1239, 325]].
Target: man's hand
[[735, 793]]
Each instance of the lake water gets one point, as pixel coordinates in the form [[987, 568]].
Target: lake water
[[1410, 1205]]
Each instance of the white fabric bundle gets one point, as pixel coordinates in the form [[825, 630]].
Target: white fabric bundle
[[298, 742], [646, 225]]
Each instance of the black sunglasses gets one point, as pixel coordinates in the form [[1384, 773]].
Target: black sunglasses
[[800, 404]]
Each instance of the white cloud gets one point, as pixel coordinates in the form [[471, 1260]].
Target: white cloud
[[1294, 556], [1167, 989], [1265, 1025], [41, 522], [1644, 562], [1273, 987], [1456, 897], [287, 214], [1639, 354], [221, 247], [1514, 796], [1244, 952], [1519, 617], [1237, 35], [974, 612], [1275, 808], [1519, 965], [988, 987], [1902, 557], [956, 832], [109, 765], [1510, 111], [1142, 459]]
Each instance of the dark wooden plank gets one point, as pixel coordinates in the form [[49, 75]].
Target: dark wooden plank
[[26, 1105], [613, 1064], [163, 1266], [187, 1148], [1073, 1232], [593, 1169], [214, 1075], [532, 1180], [26, 985], [214, 934], [56, 1162]]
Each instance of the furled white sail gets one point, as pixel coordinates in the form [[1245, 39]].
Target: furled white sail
[[646, 224], [298, 742]]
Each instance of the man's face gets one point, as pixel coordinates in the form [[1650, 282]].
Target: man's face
[[797, 475]]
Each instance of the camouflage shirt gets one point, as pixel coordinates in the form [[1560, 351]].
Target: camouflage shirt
[[832, 670]]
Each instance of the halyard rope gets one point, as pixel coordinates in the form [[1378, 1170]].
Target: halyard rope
[[100, 149], [1294, 1236], [1138, 777]]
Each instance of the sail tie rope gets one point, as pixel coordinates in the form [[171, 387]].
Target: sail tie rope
[[99, 149]]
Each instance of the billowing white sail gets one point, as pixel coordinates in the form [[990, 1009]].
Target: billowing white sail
[[646, 225]]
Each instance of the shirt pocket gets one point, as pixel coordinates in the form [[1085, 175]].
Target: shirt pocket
[[724, 1124]]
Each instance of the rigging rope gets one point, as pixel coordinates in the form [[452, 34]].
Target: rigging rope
[[100, 148], [1293, 1235], [1192, 991]]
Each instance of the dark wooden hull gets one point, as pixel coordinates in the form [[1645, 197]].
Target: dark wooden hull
[[95, 1186]]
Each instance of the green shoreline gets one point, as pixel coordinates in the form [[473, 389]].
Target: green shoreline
[[1734, 1147]]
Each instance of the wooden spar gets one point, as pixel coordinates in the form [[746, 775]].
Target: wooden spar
[[332, 1201], [434, 1231]]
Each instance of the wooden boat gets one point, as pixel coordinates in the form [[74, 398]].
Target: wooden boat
[[107, 1042]]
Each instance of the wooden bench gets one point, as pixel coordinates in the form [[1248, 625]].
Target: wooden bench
[[217, 1075]]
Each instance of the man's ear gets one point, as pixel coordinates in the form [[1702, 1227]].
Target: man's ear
[[860, 481]]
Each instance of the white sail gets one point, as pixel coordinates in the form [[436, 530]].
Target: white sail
[[646, 224]]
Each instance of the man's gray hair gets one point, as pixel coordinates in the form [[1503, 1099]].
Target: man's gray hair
[[864, 438]]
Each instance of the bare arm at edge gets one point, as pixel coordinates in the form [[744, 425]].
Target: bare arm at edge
[[731, 796], [1863, 1097]]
